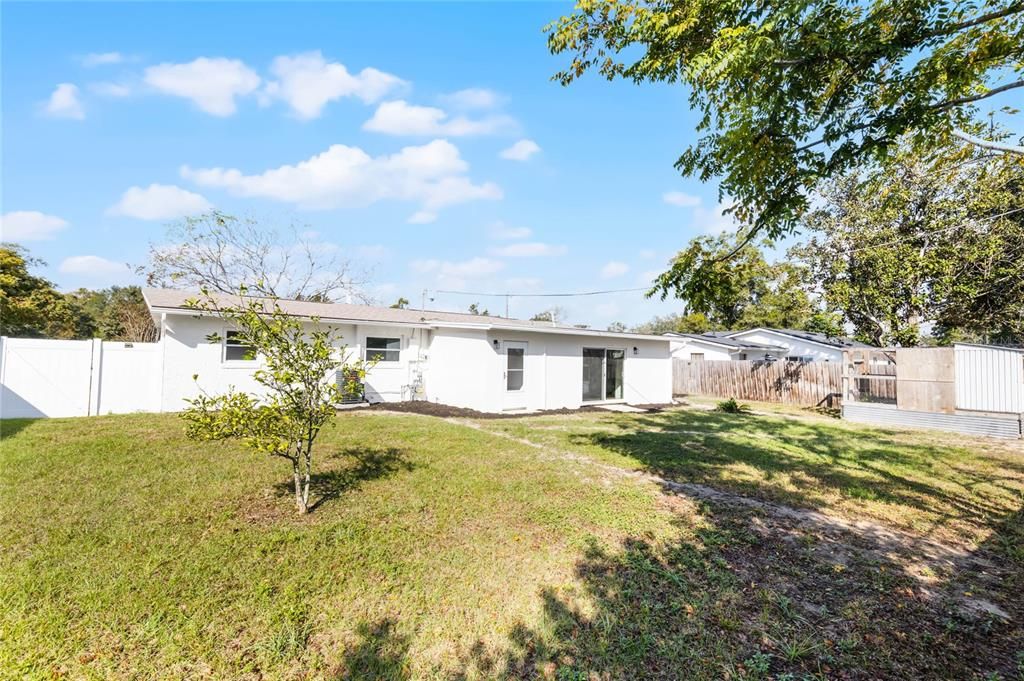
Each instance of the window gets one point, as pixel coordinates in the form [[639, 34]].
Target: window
[[743, 356], [236, 350], [696, 356], [797, 358], [383, 349], [514, 368]]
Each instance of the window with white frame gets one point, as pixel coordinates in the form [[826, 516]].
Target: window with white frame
[[383, 349], [236, 349]]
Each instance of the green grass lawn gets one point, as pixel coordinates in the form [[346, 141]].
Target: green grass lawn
[[439, 550]]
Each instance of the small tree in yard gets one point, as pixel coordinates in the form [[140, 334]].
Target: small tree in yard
[[297, 369]]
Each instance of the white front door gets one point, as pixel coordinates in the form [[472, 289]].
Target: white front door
[[514, 374]]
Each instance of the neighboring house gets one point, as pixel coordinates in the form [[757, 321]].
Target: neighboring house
[[715, 347], [762, 343], [490, 364]]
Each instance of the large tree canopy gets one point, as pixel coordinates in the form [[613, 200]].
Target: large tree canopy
[[795, 91], [935, 241]]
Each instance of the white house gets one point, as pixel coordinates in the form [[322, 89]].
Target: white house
[[490, 364], [761, 344]]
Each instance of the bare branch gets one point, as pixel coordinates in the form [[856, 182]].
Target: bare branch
[[988, 144]]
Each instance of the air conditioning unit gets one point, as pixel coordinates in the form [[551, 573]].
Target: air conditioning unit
[[352, 389]]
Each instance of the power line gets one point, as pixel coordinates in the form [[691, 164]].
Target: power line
[[544, 295]]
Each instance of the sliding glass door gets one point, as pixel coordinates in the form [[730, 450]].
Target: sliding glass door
[[593, 374], [603, 372]]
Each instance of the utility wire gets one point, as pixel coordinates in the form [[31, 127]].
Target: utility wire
[[545, 295]]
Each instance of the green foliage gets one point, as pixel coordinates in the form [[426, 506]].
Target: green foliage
[[297, 368], [739, 289], [617, 327], [935, 240], [798, 91], [731, 406], [772, 80], [117, 313], [400, 304], [694, 322], [31, 306], [474, 308]]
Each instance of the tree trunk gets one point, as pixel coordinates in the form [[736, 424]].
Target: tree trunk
[[300, 500]]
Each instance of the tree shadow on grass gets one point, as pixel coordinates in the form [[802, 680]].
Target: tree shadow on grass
[[345, 470], [731, 602], [381, 652], [818, 459]]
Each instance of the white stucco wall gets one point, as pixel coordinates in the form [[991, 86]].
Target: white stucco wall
[[460, 367], [794, 346], [683, 348]]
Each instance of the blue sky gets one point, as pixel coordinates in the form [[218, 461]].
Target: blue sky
[[426, 141]]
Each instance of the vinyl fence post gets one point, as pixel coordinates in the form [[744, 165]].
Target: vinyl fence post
[[95, 374]]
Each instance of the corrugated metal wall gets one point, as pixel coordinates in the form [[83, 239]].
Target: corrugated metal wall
[[970, 424], [989, 379]]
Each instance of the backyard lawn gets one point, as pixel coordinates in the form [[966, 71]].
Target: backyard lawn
[[679, 544]]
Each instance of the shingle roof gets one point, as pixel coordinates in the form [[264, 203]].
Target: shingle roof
[[824, 339], [174, 299]]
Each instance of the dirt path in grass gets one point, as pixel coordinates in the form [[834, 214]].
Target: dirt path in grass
[[936, 566]]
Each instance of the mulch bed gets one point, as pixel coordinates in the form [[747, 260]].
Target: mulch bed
[[446, 411]]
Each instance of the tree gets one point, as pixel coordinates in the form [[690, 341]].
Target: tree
[[617, 327], [553, 314], [221, 252], [400, 304], [30, 306], [740, 291], [799, 91], [474, 308], [923, 241], [117, 313], [694, 322], [298, 365]]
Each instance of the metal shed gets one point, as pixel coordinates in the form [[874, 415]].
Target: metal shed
[[968, 388]]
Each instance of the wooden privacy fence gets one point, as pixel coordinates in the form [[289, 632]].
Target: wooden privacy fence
[[802, 383]]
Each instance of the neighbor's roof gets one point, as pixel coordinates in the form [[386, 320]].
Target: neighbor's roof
[[724, 341], [820, 338], [176, 301]]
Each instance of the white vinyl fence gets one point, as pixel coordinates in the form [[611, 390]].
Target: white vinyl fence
[[77, 378]]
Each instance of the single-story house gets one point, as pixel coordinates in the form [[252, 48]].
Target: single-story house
[[762, 344], [490, 364]]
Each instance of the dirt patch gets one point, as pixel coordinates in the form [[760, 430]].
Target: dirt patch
[[445, 411]]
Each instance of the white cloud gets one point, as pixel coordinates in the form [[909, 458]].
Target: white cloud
[[108, 89], [528, 249], [520, 151], [29, 225], [159, 202], [398, 117], [614, 269], [431, 174], [473, 98], [681, 199], [211, 84], [93, 266], [307, 82], [64, 102], [474, 267], [102, 59], [502, 232], [713, 220]]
